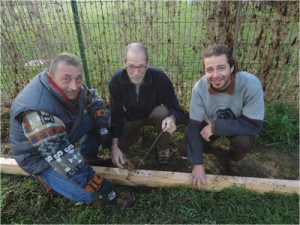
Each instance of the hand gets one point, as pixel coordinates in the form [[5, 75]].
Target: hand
[[206, 132], [108, 193], [198, 175], [168, 125], [105, 137], [117, 155]]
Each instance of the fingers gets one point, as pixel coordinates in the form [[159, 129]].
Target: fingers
[[198, 176], [168, 125], [117, 158], [205, 135]]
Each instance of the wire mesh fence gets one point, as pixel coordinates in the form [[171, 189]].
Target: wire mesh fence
[[176, 34]]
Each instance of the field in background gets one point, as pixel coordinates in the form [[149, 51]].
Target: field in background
[[176, 34]]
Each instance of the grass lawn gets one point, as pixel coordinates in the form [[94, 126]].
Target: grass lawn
[[175, 33], [22, 202]]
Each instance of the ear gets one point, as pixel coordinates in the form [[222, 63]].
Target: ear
[[232, 69], [49, 74], [148, 62], [124, 64]]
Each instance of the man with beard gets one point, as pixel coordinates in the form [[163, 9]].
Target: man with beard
[[226, 103]]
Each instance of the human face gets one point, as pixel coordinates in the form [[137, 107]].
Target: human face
[[218, 71], [68, 79], [136, 58]]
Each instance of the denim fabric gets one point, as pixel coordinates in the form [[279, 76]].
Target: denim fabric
[[67, 187], [89, 147]]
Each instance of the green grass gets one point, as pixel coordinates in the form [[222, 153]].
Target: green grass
[[281, 126], [175, 33], [22, 202]]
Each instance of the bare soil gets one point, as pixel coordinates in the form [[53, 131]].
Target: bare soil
[[263, 162]]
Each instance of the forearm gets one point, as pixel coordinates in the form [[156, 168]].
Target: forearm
[[229, 127], [195, 143]]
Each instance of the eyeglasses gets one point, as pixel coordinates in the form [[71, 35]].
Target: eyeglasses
[[139, 68]]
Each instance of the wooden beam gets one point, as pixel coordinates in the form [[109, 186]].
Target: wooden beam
[[165, 179]]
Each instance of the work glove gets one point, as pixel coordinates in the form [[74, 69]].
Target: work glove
[[108, 194], [105, 136]]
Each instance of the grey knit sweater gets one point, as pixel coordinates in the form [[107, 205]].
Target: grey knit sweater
[[241, 112]]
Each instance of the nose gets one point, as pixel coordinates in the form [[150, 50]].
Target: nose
[[73, 85], [215, 73], [135, 71]]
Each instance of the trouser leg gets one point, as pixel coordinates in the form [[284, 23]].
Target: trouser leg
[[89, 144], [184, 144], [131, 133], [155, 119], [240, 145], [132, 129]]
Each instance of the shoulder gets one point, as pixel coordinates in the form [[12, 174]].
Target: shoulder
[[202, 83], [247, 78], [158, 74], [116, 76]]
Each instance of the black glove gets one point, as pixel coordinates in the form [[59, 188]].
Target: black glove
[[108, 193], [105, 136]]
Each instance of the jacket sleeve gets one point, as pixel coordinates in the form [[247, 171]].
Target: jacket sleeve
[[95, 108], [116, 109], [250, 123], [168, 98], [196, 124], [51, 140]]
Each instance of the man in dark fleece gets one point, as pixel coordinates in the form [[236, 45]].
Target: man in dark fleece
[[141, 96], [224, 103]]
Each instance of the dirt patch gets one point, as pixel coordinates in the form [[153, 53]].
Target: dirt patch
[[263, 162]]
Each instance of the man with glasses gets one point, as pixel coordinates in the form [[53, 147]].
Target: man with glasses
[[141, 95]]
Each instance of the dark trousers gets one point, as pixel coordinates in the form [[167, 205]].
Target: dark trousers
[[132, 129], [240, 145]]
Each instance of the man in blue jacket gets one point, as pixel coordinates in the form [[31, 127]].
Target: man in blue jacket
[[141, 96], [226, 103], [52, 113]]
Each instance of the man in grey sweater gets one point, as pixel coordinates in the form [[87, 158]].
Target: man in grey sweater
[[224, 103]]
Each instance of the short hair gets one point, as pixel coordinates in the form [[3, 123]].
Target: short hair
[[217, 50], [66, 58], [136, 47]]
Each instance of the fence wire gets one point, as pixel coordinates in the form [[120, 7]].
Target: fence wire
[[176, 34]]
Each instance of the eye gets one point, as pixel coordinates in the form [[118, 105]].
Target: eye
[[209, 70], [141, 67], [130, 67], [79, 79]]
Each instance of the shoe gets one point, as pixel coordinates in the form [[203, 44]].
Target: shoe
[[139, 143], [164, 156], [234, 167], [106, 162]]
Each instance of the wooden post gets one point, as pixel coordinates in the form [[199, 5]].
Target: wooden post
[[150, 178]]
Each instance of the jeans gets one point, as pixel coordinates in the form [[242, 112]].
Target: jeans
[[89, 147]]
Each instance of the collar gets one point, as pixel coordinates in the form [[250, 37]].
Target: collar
[[228, 90], [124, 78], [61, 92]]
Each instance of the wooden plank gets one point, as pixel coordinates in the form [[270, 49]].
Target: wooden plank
[[165, 179]]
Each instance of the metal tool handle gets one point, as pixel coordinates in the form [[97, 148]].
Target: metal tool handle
[[150, 148]]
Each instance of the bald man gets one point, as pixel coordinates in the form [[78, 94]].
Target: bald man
[[140, 96]]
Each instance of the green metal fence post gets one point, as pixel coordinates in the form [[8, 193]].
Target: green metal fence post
[[80, 42]]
